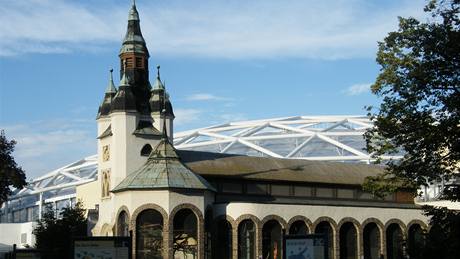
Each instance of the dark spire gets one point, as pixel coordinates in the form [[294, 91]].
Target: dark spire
[[159, 99], [111, 86], [134, 41], [110, 92]]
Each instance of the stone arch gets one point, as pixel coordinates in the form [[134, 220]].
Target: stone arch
[[327, 219], [422, 224], [200, 226], [133, 224], [106, 230], [333, 242], [381, 228], [357, 226], [120, 210], [300, 218], [280, 220], [258, 239], [401, 226]]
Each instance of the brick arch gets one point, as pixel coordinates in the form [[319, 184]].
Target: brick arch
[[121, 209], [279, 219], [300, 218], [326, 219], [200, 225], [133, 225], [357, 226], [334, 228], [227, 218], [422, 224], [258, 238], [401, 225], [381, 228]]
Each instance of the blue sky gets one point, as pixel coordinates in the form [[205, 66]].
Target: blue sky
[[222, 61]]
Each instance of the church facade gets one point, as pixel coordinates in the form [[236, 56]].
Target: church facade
[[190, 204]]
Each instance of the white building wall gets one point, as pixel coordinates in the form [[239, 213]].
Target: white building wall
[[11, 233]]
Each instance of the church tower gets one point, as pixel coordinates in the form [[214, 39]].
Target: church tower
[[129, 121]]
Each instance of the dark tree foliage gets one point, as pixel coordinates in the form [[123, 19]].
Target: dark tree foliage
[[10, 173], [54, 235], [419, 83]]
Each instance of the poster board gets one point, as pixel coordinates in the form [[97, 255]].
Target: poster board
[[102, 248], [312, 246]]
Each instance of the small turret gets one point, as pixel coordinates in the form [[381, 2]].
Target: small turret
[[110, 92], [159, 98]]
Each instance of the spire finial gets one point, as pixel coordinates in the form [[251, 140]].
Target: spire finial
[[124, 78], [158, 71], [111, 87], [134, 2]]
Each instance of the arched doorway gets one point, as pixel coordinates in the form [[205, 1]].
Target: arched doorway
[[185, 235], [223, 239], [371, 241], [416, 241], [298, 228], [325, 228], [272, 240], [149, 235], [246, 240], [123, 224], [348, 241], [394, 242]]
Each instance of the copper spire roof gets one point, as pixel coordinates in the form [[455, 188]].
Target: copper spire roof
[[163, 170]]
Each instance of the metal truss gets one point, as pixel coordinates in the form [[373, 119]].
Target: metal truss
[[324, 138]]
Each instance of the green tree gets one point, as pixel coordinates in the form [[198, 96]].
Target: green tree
[[54, 235], [10, 173], [419, 83]]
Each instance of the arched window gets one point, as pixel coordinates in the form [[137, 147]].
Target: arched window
[[298, 228], [185, 234], [123, 224], [146, 150], [371, 241], [149, 234], [416, 241], [272, 237], [246, 240], [348, 241], [326, 229], [223, 240], [394, 242]]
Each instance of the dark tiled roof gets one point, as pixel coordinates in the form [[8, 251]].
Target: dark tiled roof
[[277, 169]]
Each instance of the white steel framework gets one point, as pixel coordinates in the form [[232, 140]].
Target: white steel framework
[[325, 138]]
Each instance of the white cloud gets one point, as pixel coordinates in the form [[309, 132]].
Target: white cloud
[[184, 116], [205, 97], [46, 145], [358, 89], [223, 29]]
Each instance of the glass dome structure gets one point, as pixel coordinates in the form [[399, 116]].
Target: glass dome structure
[[326, 138]]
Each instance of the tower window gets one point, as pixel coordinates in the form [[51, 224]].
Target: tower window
[[129, 62], [146, 150], [139, 62]]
